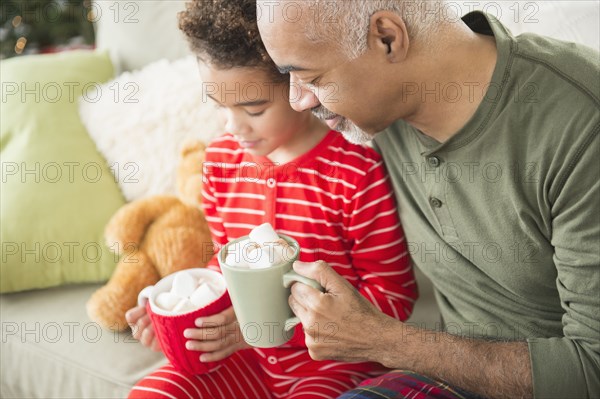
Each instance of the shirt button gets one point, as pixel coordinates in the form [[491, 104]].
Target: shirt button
[[271, 182], [434, 161], [436, 203], [272, 359]]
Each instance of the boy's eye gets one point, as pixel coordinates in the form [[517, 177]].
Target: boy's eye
[[255, 113]]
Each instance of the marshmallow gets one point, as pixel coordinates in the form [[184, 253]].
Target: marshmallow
[[204, 295], [189, 293], [270, 255], [184, 306], [237, 254], [263, 234], [167, 301], [259, 258], [183, 285], [264, 249]]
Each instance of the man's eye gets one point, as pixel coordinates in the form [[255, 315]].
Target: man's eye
[[255, 113], [314, 82]]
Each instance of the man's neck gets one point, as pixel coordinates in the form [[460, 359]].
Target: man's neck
[[454, 85]]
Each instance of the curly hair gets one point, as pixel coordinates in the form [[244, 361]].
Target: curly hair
[[225, 34]]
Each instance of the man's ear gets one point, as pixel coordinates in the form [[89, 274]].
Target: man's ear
[[387, 33]]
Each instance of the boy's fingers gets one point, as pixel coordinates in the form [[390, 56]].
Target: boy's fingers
[[204, 346], [135, 313], [147, 337], [156, 345], [225, 317], [140, 326], [218, 355], [213, 345], [214, 332]]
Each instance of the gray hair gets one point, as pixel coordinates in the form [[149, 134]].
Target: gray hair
[[347, 21]]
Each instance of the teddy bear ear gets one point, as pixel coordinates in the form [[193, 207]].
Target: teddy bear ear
[[192, 145]]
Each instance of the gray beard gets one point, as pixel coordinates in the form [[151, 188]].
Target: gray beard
[[353, 133], [349, 130]]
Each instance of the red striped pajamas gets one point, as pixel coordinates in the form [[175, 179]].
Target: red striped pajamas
[[336, 201]]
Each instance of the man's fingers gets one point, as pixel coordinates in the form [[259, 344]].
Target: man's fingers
[[296, 305], [320, 271], [305, 297]]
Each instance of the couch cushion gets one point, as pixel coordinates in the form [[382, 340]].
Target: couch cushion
[[57, 191], [50, 349]]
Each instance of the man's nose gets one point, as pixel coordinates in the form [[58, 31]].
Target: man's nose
[[302, 98]]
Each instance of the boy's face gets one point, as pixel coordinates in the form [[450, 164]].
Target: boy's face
[[256, 108]]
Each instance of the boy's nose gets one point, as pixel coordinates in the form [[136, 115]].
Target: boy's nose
[[235, 127]]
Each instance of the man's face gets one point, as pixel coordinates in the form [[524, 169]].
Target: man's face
[[350, 95]]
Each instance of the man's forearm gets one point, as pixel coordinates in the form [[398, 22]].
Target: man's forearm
[[490, 369]]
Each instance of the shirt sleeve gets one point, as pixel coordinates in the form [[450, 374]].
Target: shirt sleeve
[[569, 366], [209, 206], [379, 252]]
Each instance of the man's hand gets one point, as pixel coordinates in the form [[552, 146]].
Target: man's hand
[[141, 327], [219, 336], [339, 324], [362, 333]]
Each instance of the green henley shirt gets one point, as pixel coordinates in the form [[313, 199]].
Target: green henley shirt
[[504, 217]]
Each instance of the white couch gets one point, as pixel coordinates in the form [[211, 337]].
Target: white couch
[[50, 349]]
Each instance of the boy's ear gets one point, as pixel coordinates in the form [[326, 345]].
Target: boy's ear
[[388, 35]]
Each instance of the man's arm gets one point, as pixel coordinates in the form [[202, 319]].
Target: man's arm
[[490, 369], [569, 366]]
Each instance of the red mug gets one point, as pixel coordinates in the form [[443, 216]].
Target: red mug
[[168, 328]]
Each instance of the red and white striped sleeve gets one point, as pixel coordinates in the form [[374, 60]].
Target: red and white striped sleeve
[[379, 252], [209, 206]]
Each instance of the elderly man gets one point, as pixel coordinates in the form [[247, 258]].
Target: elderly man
[[492, 145]]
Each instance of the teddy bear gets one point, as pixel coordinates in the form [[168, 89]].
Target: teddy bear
[[155, 237]]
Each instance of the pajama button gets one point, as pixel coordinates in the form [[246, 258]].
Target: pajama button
[[271, 183], [272, 359]]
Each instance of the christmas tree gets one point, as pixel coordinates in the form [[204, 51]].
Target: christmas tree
[[34, 26]]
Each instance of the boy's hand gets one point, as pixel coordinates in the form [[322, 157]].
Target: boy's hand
[[141, 327], [219, 336]]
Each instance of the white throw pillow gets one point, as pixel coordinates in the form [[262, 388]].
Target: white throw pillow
[[138, 32], [140, 120]]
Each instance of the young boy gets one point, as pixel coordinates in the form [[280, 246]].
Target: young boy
[[286, 168]]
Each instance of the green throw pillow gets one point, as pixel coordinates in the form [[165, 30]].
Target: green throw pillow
[[57, 192]]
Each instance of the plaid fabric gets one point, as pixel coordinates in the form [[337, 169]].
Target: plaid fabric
[[402, 384]]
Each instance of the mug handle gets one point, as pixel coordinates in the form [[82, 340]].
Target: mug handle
[[144, 295], [292, 277]]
